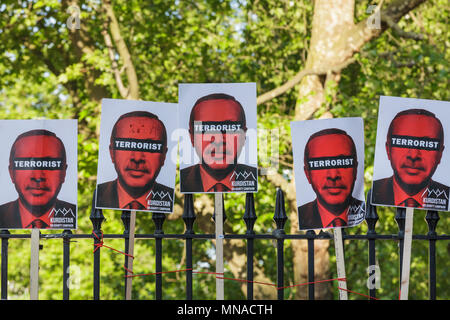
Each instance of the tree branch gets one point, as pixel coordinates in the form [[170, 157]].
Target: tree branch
[[399, 31], [114, 65], [122, 49], [83, 45], [358, 36], [392, 13], [298, 77]]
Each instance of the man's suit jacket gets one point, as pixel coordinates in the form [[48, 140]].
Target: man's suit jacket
[[10, 213], [191, 180], [383, 190], [309, 217], [108, 197]]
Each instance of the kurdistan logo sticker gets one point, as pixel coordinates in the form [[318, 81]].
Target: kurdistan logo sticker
[[61, 212], [436, 192], [160, 194], [243, 174]]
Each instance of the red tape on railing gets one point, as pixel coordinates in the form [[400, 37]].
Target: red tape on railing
[[218, 274], [102, 244]]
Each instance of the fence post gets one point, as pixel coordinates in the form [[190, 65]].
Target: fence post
[[432, 219], [339, 236], [125, 217], [223, 209], [400, 218], [250, 219], [311, 287], [158, 219], [4, 266], [96, 218], [371, 220], [189, 219], [66, 264], [219, 237], [279, 233], [34, 263]]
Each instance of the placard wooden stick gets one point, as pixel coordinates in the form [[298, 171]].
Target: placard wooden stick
[[218, 207], [34, 265], [406, 263], [340, 263], [128, 282]]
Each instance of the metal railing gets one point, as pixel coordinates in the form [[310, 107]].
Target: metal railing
[[249, 217]]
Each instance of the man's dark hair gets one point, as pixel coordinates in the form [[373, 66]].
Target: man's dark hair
[[419, 112], [326, 132], [32, 133], [217, 96], [142, 114]]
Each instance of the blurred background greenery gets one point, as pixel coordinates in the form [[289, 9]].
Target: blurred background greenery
[[143, 49]]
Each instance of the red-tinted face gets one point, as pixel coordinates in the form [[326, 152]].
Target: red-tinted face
[[218, 151], [137, 170], [37, 188], [413, 168], [332, 185]]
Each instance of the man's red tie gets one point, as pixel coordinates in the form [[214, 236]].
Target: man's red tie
[[337, 222], [135, 205], [411, 203], [38, 223], [219, 187]]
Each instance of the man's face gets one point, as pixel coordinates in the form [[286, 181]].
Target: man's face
[[137, 168], [218, 150], [333, 184], [414, 167], [37, 188]]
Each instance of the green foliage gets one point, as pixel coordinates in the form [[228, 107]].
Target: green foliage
[[42, 74]]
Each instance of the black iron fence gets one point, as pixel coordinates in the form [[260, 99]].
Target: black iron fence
[[250, 217]]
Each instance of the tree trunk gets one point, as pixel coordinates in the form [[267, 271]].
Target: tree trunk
[[327, 48]]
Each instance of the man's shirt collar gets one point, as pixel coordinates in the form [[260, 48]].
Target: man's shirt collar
[[125, 199], [400, 195], [209, 182], [327, 217], [27, 217]]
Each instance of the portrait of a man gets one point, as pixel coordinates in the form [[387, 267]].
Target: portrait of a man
[[217, 130], [330, 166], [414, 147], [37, 168], [137, 149]]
